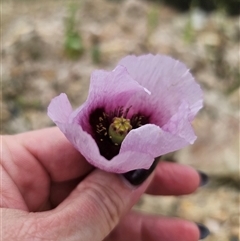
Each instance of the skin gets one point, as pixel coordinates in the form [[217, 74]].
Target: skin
[[49, 192]]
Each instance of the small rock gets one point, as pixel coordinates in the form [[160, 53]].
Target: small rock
[[23, 42], [17, 29], [132, 17], [5, 113], [210, 39], [198, 19], [213, 225]]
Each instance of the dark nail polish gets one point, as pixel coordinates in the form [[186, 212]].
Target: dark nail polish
[[203, 178], [137, 177], [204, 232]]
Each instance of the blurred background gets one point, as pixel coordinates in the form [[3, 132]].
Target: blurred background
[[49, 47]]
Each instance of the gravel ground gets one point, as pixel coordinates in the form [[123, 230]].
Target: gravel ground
[[36, 67]]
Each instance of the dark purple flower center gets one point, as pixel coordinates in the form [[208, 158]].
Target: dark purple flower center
[[101, 121]]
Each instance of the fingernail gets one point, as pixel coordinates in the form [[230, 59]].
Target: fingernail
[[203, 178], [204, 231], [137, 177]]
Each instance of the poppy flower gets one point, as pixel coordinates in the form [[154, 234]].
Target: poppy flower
[[141, 110]]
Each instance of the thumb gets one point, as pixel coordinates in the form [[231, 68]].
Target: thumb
[[97, 204]]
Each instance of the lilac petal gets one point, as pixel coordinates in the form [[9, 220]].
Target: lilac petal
[[60, 109], [109, 90], [195, 108], [168, 80], [179, 124], [113, 88], [174, 135], [152, 140], [131, 160], [86, 145]]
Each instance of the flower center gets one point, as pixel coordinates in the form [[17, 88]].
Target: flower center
[[118, 130], [110, 128]]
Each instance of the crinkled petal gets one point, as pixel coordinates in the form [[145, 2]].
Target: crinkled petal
[[86, 145], [109, 90], [179, 124], [60, 109], [112, 89], [152, 140], [169, 81]]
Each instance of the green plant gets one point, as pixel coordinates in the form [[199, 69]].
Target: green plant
[[95, 49], [152, 19], [73, 44], [188, 32]]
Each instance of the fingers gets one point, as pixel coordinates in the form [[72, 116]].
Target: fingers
[[137, 226], [165, 182], [99, 201], [174, 179], [51, 148]]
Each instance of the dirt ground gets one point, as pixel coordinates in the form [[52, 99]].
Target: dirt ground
[[44, 52]]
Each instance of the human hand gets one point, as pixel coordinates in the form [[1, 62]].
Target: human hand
[[49, 192]]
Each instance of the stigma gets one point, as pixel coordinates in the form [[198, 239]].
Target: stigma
[[118, 129]]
